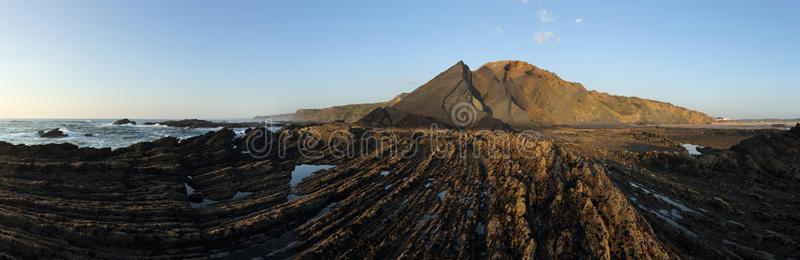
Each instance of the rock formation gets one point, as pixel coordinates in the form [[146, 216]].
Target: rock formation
[[773, 154], [133, 202], [345, 113], [124, 122], [737, 203], [521, 95], [512, 93], [548, 99], [390, 116], [406, 194], [55, 133]]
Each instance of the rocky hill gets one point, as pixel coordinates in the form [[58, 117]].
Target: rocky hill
[[351, 112], [521, 95]]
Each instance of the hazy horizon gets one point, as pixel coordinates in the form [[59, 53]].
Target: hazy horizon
[[207, 60]]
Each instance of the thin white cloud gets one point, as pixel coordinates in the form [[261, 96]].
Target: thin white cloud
[[578, 20], [497, 29], [546, 16], [542, 36], [524, 1], [558, 39]]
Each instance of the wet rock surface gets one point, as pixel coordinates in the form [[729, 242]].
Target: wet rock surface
[[123, 122], [740, 202], [403, 197], [772, 154], [55, 133]]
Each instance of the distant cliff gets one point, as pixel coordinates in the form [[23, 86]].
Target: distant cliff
[[351, 112]]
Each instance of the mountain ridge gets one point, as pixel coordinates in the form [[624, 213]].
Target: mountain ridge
[[502, 94], [519, 94], [351, 112]]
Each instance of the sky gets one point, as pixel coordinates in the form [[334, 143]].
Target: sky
[[239, 59]]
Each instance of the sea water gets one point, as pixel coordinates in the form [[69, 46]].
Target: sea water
[[103, 132], [692, 148], [301, 172]]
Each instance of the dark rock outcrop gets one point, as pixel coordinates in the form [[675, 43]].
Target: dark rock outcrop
[[123, 122], [774, 154], [55, 133], [389, 116], [795, 130], [451, 90], [737, 203]]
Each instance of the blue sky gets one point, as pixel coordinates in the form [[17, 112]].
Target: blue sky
[[238, 59]]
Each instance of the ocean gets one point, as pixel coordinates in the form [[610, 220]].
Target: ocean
[[103, 133]]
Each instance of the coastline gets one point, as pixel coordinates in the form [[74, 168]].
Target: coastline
[[144, 193]]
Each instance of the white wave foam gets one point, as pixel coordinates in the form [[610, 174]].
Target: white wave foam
[[209, 129], [111, 124], [240, 133], [72, 134], [23, 135], [153, 125]]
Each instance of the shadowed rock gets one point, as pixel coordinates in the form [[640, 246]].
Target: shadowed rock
[[55, 133], [123, 122]]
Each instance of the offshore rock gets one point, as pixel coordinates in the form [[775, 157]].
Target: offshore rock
[[55, 133], [124, 122]]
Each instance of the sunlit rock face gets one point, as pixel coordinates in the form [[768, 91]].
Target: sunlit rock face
[[520, 95]]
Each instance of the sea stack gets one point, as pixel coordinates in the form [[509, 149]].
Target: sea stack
[[55, 133], [124, 122]]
